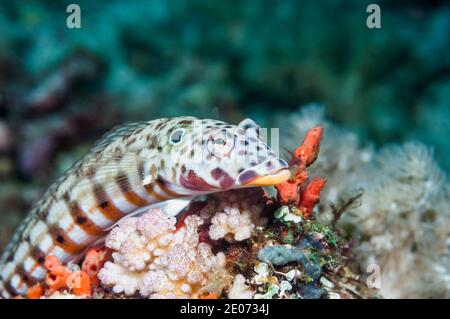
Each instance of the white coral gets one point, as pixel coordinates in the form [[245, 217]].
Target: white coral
[[239, 290], [121, 279], [231, 222], [234, 215], [151, 258]]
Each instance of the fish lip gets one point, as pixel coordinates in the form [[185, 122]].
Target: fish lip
[[271, 178]]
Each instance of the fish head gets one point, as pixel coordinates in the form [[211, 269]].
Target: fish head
[[210, 155]]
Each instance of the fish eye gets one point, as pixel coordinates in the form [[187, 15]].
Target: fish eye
[[177, 136]]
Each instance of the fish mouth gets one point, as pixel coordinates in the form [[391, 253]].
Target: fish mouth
[[251, 177]]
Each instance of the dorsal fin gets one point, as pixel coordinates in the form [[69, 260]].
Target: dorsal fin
[[118, 131]]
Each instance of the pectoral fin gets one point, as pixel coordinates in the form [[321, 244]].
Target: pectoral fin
[[170, 208]]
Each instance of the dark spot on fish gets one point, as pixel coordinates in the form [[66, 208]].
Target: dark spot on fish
[[81, 220], [38, 255], [139, 130], [10, 289], [60, 239], [217, 173], [90, 172], [130, 141], [27, 278], [171, 130], [227, 181], [140, 168], [153, 141], [104, 204], [161, 125], [185, 122]]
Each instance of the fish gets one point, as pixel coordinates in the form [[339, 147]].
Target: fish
[[166, 162]]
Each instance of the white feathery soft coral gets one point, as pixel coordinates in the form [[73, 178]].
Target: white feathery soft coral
[[403, 218]]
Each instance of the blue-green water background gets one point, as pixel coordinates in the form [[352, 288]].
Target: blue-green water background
[[135, 60]]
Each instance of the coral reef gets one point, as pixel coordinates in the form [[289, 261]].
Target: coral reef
[[160, 258]]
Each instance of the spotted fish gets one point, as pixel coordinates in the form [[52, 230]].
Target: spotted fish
[[164, 162]]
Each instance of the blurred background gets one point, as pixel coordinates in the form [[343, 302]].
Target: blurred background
[[61, 88]]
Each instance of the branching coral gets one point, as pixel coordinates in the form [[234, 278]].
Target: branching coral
[[157, 260]]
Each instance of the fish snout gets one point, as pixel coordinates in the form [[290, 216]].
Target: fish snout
[[269, 173]]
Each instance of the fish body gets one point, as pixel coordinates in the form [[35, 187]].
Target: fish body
[[161, 162]]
